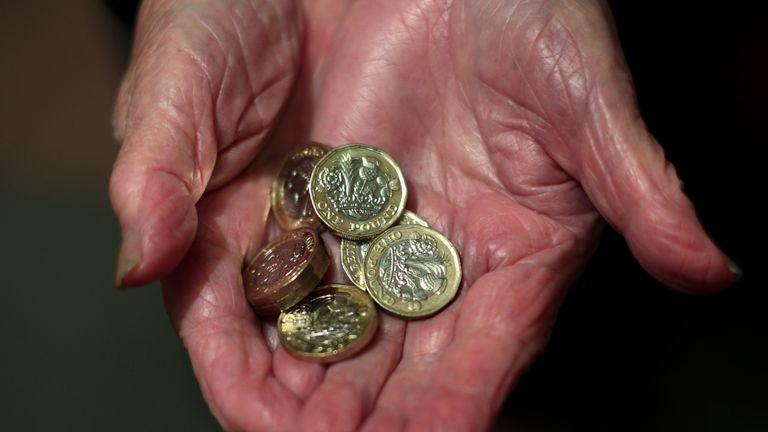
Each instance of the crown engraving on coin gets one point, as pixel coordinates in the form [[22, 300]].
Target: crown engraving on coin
[[356, 187]]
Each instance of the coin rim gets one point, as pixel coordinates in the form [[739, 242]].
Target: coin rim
[[303, 280], [378, 153], [354, 347], [353, 246], [277, 194], [454, 287]]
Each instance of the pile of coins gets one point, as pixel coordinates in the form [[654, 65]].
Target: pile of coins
[[393, 258]]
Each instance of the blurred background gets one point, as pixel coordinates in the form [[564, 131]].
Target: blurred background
[[626, 354]]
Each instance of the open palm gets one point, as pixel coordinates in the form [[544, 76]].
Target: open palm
[[515, 126]]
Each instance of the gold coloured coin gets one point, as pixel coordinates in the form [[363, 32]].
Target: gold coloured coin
[[358, 191], [412, 271], [285, 271], [332, 323], [353, 251], [290, 199]]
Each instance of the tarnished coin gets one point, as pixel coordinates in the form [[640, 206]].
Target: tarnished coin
[[412, 271], [332, 323], [285, 271], [291, 203], [353, 251], [358, 191]]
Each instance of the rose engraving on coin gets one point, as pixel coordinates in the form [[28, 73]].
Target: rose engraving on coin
[[333, 322], [412, 270], [358, 191], [356, 187], [291, 203]]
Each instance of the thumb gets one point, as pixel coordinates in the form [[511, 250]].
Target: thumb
[[203, 90], [161, 171], [623, 168], [624, 171]]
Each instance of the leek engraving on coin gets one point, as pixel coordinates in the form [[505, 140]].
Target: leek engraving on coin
[[327, 323], [284, 259], [412, 270], [356, 187]]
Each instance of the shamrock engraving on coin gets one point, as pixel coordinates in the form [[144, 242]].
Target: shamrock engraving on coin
[[290, 199], [412, 271], [358, 191], [285, 271], [353, 251], [332, 323]]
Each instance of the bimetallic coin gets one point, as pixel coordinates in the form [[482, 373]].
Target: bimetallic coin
[[358, 191], [412, 271], [291, 203], [353, 251], [332, 323], [285, 271]]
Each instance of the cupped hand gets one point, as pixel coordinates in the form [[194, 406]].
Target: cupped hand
[[517, 130]]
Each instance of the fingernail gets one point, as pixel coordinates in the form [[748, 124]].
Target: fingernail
[[128, 257], [735, 270]]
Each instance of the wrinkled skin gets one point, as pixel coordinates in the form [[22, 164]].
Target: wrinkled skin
[[516, 127]]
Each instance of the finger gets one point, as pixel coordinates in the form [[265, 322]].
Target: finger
[[206, 303], [201, 94], [570, 90], [638, 192], [465, 358], [501, 326], [504, 323], [228, 352], [624, 171], [160, 173], [349, 390]]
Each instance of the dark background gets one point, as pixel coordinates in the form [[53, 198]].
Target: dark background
[[626, 354]]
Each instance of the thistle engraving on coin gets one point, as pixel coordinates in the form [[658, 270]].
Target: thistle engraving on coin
[[327, 323], [412, 270], [356, 187]]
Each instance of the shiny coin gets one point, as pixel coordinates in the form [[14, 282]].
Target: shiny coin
[[353, 251], [358, 191], [291, 203], [412, 271], [332, 323], [285, 271]]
